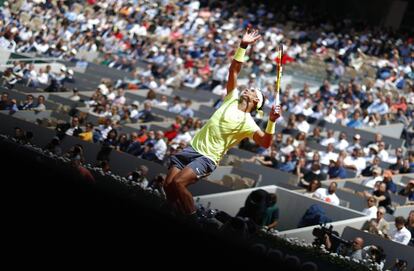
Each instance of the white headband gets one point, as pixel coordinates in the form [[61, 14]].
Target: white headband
[[260, 97]]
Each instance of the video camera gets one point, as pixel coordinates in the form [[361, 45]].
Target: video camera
[[336, 240]]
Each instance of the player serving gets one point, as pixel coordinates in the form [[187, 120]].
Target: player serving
[[231, 123]]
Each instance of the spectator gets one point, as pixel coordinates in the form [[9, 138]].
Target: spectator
[[410, 226], [72, 129], [75, 95], [28, 104], [145, 115], [328, 195], [271, 215], [40, 106], [382, 196], [387, 179], [139, 176], [176, 106], [376, 176], [84, 173], [186, 111], [377, 225], [87, 135], [312, 187], [400, 234], [371, 210], [54, 146], [160, 147], [336, 169], [408, 191]]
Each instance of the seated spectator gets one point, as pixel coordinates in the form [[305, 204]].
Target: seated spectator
[[355, 161], [145, 115], [382, 196], [400, 234], [134, 147], [328, 195], [312, 187], [328, 155], [271, 215], [356, 143], [88, 134], [54, 146], [330, 139], [84, 173], [375, 162], [186, 111], [70, 129], [123, 142], [314, 173], [410, 226], [302, 125], [139, 176], [371, 210], [286, 163], [356, 121], [176, 106], [148, 152], [28, 103], [342, 142], [406, 167], [387, 179], [157, 184], [40, 106], [377, 225], [160, 147], [376, 176], [184, 135], [408, 191], [337, 169]]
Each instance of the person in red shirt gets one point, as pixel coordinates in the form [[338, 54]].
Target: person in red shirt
[[173, 132]]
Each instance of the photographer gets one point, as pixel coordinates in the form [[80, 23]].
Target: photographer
[[352, 249], [376, 254], [139, 176]]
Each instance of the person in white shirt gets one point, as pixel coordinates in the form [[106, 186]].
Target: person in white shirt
[[329, 138], [400, 234], [376, 176], [357, 143], [355, 161], [176, 107], [382, 153], [160, 146], [302, 124], [342, 143], [371, 210], [328, 195], [184, 136], [328, 155]]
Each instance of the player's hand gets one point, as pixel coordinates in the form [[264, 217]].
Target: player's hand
[[250, 37], [275, 113]]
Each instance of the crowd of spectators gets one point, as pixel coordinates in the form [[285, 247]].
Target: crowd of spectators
[[188, 45]]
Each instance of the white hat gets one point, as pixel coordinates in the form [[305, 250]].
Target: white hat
[[73, 51], [357, 136], [63, 69], [136, 103], [70, 72], [64, 48]]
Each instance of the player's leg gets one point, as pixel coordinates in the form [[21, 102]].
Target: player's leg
[[172, 172], [198, 168]]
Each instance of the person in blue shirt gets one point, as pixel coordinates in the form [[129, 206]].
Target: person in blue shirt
[[336, 169], [391, 186], [287, 164], [356, 121], [187, 111]]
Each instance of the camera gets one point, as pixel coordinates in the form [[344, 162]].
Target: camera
[[336, 240]]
